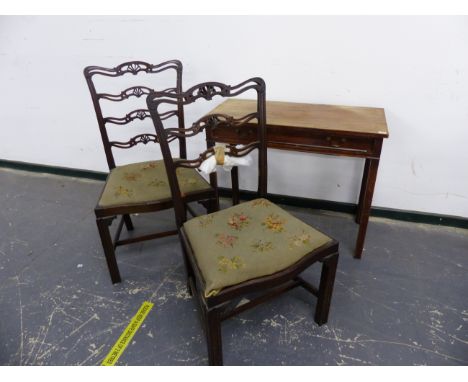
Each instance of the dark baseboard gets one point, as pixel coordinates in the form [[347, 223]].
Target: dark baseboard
[[350, 208], [55, 170]]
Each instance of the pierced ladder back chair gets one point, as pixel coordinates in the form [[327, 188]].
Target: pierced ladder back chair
[[137, 187], [250, 248]]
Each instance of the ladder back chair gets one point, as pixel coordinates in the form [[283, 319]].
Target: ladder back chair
[[250, 248], [143, 186]]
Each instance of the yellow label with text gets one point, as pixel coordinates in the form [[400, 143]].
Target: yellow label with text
[[127, 335]]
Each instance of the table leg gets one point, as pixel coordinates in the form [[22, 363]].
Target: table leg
[[365, 205], [235, 185], [365, 178]]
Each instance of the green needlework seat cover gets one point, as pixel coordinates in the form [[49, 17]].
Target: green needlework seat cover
[[247, 241], [146, 182]]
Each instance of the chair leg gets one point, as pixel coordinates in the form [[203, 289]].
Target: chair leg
[[128, 222], [108, 246], [190, 273], [327, 280], [213, 337], [213, 205]]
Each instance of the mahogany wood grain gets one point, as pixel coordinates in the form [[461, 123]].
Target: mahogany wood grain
[[326, 118]]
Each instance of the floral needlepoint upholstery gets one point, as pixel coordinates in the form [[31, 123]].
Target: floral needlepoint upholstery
[[247, 241], [146, 182]]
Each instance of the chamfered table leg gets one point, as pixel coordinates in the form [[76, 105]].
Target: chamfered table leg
[[366, 205], [365, 178]]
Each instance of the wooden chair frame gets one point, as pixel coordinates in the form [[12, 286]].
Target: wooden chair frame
[[106, 215], [218, 308]]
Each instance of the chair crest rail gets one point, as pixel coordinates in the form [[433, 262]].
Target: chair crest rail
[[206, 90], [133, 67]]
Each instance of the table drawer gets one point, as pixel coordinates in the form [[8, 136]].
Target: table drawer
[[243, 134], [306, 140], [320, 139]]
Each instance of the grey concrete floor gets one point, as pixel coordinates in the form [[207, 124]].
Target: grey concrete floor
[[404, 303]]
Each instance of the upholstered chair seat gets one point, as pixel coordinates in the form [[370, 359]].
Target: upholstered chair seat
[[142, 182], [248, 241]]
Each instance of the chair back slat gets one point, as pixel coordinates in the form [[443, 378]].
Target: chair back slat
[[142, 138], [232, 150], [134, 91], [135, 114]]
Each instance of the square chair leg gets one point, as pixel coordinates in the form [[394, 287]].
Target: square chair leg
[[327, 280], [189, 273], [128, 222], [213, 337], [108, 247]]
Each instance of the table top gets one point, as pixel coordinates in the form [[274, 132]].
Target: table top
[[350, 119]]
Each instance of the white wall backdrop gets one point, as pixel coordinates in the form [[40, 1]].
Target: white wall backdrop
[[414, 67]]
